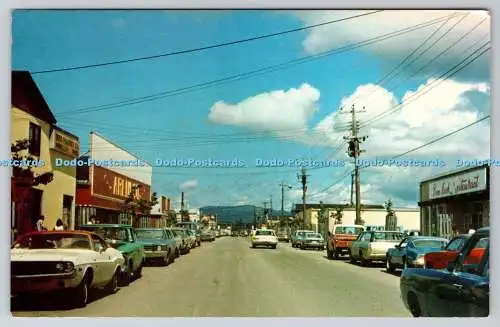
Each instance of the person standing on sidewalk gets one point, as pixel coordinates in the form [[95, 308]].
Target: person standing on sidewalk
[[59, 225], [39, 224]]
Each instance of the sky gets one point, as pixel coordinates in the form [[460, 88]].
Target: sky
[[421, 77]]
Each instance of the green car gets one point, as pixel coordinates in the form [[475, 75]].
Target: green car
[[124, 239]]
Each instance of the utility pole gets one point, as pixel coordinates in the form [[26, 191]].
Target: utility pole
[[354, 152], [303, 179], [271, 205], [283, 185], [352, 189]]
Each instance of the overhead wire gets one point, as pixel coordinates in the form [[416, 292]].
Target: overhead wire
[[249, 74], [198, 49]]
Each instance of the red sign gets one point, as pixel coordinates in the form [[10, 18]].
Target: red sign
[[109, 184]]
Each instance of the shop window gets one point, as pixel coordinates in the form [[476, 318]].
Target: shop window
[[34, 139]]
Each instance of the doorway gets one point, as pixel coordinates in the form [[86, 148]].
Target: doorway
[[35, 205], [66, 211]]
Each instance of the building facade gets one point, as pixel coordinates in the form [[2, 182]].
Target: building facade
[[102, 191], [32, 119], [159, 214], [458, 199], [372, 215]]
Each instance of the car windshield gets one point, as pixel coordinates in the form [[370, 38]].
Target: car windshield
[[264, 232], [109, 232], [149, 233], [348, 230], [53, 241], [429, 243], [313, 235], [387, 236]]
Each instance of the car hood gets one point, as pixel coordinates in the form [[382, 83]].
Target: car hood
[[73, 255]]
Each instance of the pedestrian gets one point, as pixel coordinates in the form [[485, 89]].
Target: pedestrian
[[92, 220], [59, 225], [39, 224]]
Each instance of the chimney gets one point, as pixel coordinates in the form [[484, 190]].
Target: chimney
[[182, 201]]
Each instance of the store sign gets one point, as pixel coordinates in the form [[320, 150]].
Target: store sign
[[469, 182], [110, 184], [65, 144]]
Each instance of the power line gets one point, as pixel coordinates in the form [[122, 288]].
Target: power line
[[253, 73], [213, 46]]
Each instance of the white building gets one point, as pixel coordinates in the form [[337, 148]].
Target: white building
[[373, 215], [194, 215]]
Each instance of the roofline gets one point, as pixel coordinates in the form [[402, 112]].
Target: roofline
[[65, 131], [452, 173], [120, 147]]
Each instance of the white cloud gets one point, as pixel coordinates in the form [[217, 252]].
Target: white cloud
[[279, 111], [188, 185], [339, 34]]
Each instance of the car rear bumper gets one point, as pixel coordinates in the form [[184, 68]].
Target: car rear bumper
[[311, 245]]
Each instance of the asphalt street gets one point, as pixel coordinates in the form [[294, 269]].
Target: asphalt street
[[227, 278]]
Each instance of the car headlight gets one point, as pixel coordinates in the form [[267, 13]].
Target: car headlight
[[158, 248], [60, 266], [65, 266]]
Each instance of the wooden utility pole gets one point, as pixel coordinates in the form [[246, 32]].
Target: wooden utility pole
[[283, 196], [352, 189], [354, 152], [303, 179]]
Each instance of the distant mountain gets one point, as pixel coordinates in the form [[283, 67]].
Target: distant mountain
[[234, 214]]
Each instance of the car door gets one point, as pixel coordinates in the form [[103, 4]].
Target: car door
[[397, 253], [364, 241], [137, 253], [463, 291], [101, 261], [354, 246]]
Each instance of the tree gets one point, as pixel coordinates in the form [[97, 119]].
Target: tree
[[138, 207], [171, 218], [391, 222], [338, 215], [24, 175]]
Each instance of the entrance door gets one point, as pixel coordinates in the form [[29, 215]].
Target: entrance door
[[35, 206], [66, 212]]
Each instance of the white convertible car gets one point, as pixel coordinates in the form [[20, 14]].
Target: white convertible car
[[67, 261]]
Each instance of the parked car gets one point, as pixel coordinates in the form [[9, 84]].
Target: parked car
[[283, 234], [207, 235], [159, 246], [72, 261], [460, 290], [177, 241], [440, 260], [373, 245], [340, 239], [123, 238], [312, 241], [299, 235], [265, 237], [181, 234], [195, 238], [410, 252]]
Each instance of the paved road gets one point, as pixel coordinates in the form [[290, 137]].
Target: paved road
[[227, 278]]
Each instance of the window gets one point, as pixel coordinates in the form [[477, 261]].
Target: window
[[34, 139], [348, 230], [403, 243], [387, 236], [366, 237], [268, 233], [456, 244], [477, 253]]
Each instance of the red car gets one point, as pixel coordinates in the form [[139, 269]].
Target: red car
[[440, 260]]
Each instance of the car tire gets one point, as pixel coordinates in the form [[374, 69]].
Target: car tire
[[329, 253], [112, 286], [274, 247], [253, 246], [389, 267], [352, 258], [336, 254], [126, 277], [138, 272], [81, 293]]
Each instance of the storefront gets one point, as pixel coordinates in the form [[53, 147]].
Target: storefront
[[460, 200], [102, 193]]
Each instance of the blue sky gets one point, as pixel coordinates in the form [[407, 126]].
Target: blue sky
[[180, 126]]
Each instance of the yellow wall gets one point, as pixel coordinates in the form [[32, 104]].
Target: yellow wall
[[409, 219], [64, 182]]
